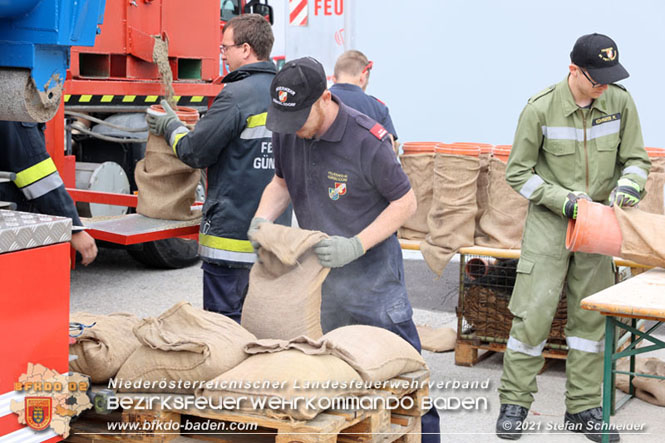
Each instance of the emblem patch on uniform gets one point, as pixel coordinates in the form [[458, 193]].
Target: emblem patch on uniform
[[608, 54], [337, 191], [38, 412], [283, 95], [605, 119]]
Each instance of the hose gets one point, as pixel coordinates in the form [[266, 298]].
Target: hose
[[108, 138], [103, 122]]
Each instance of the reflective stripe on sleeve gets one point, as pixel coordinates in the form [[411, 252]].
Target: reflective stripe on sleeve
[[582, 344], [256, 127], [531, 185], [176, 135], [34, 173], [634, 170], [43, 186], [518, 346]]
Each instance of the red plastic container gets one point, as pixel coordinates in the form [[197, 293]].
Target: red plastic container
[[501, 152], [458, 149], [419, 147], [186, 115], [485, 148]]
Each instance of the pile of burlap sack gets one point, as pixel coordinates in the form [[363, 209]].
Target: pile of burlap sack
[[465, 201], [651, 390], [279, 342]]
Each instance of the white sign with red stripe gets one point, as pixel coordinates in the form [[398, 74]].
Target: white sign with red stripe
[[298, 12]]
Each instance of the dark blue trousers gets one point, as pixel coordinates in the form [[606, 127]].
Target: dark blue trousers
[[224, 289]]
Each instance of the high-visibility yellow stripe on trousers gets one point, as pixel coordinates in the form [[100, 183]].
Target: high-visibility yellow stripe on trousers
[[38, 179], [228, 249]]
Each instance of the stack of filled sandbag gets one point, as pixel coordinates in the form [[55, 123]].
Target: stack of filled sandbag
[[348, 356], [103, 347], [183, 344], [284, 295]]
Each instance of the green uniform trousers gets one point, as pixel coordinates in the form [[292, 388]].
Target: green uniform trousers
[[545, 265]]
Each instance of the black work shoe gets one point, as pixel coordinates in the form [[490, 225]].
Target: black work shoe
[[590, 422], [510, 423]]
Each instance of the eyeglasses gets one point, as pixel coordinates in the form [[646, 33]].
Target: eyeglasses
[[368, 67], [224, 48], [593, 83]]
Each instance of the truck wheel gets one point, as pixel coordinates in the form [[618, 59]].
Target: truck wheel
[[170, 253]]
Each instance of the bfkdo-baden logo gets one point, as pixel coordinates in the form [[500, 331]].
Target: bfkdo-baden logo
[[50, 399], [38, 412]]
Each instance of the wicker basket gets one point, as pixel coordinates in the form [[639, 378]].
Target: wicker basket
[[486, 293]]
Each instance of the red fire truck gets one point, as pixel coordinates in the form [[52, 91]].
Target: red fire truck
[[107, 90]]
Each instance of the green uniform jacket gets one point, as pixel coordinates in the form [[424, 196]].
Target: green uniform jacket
[[560, 147]]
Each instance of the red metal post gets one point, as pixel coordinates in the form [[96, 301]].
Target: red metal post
[[55, 137]]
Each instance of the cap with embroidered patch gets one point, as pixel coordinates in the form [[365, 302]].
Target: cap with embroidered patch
[[599, 56], [293, 91]]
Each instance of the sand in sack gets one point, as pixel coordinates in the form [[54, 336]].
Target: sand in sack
[[184, 344], [482, 194], [376, 353], [103, 348], [503, 220], [437, 339], [451, 219], [653, 202], [167, 186], [643, 236], [420, 170], [651, 390], [291, 379], [284, 296]]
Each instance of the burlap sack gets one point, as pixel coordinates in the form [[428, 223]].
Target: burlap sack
[[284, 296], [103, 348], [184, 344], [286, 377], [654, 200], [503, 221], [437, 339], [482, 196], [376, 353], [451, 219], [643, 236], [166, 185], [420, 169], [650, 390]]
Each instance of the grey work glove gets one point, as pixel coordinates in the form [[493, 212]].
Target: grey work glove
[[253, 227], [570, 204], [157, 123], [336, 251]]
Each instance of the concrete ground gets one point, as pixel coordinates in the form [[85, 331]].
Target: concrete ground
[[116, 283]]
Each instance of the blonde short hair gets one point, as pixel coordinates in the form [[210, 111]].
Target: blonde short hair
[[351, 62]]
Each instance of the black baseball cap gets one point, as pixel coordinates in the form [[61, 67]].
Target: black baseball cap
[[293, 91], [599, 55]]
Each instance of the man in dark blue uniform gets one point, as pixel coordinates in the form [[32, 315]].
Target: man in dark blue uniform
[[351, 78], [38, 186], [233, 143], [338, 169]]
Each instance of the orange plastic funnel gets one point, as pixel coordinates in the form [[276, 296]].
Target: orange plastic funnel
[[596, 230]]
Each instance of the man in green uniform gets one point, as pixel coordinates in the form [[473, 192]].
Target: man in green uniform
[[580, 138]]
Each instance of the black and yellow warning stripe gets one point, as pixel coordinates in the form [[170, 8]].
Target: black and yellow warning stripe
[[130, 100]]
